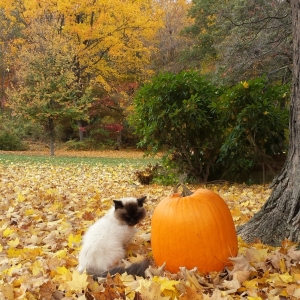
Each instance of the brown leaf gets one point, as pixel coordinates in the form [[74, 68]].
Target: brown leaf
[[47, 289], [88, 216]]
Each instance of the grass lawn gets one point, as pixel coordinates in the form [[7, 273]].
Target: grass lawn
[[63, 157]]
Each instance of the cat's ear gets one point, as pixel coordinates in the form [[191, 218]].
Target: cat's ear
[[118, 204], [141, 201]]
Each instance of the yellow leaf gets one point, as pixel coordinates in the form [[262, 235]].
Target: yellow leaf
[[21, 198], [282, 266], [62, 270], [250, 284], [275, 278], [36, 268], [30, 253], [79, 282], [284, 293], [61, 253], [127, 280], [64, 227], [29, 212], [13, 269], [12, 252], [287, 278], [74, 240], [167, 286], [165, 283], [7, 232], [245, 84], [63, 274], [14, 243]]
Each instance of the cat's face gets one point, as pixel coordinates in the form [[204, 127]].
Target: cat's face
[[130, 211]]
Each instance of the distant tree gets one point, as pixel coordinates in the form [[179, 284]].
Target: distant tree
[[205, 32], [47, 90], [9, 33], [242, 39], [108, 114], [260, 40], [170, 43]]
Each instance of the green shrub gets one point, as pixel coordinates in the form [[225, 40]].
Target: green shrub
[[11, 142], [80, 145], [255, 116], [173, 112], [11, 133]]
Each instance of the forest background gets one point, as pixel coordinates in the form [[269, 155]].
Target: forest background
[[205, 82]]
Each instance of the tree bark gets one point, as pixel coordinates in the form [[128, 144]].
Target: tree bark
[[279, 218], [52, 135], [80, 131]]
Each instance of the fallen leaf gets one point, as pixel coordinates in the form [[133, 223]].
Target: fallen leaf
[[79, 282]]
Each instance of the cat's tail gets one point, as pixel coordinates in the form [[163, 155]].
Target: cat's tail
[[136, 269]]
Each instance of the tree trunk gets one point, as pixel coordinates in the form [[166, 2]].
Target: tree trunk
[[279, 218], [119, 140], [80, 131], [52, 135]]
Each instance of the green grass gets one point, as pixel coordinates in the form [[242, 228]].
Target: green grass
[[63, 160]]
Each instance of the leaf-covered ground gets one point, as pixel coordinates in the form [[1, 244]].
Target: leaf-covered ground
[[46, 208]]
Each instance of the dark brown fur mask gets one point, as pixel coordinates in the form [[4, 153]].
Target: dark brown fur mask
[[130, 211]]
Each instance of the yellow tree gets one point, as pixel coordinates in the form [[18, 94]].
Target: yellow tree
[[111, 38], [9, 35], [47, 91], [110, 35]]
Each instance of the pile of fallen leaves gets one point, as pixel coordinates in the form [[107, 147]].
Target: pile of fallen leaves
[[45, 209]]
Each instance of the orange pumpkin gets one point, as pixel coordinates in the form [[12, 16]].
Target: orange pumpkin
[[193, 231]]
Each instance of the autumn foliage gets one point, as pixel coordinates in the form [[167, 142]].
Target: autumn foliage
[[63, 56]]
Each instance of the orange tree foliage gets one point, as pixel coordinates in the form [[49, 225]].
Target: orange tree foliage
[[112, 38]]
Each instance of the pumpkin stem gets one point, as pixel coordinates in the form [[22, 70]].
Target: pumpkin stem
[[185, 191]]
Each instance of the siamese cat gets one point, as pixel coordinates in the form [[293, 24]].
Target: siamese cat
[[105, 241]]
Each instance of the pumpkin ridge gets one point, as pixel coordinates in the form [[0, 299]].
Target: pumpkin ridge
[[168, 245], [176, 233], [231, 230], [220, 222], [212, 208], [195, 234], [199, 207]]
